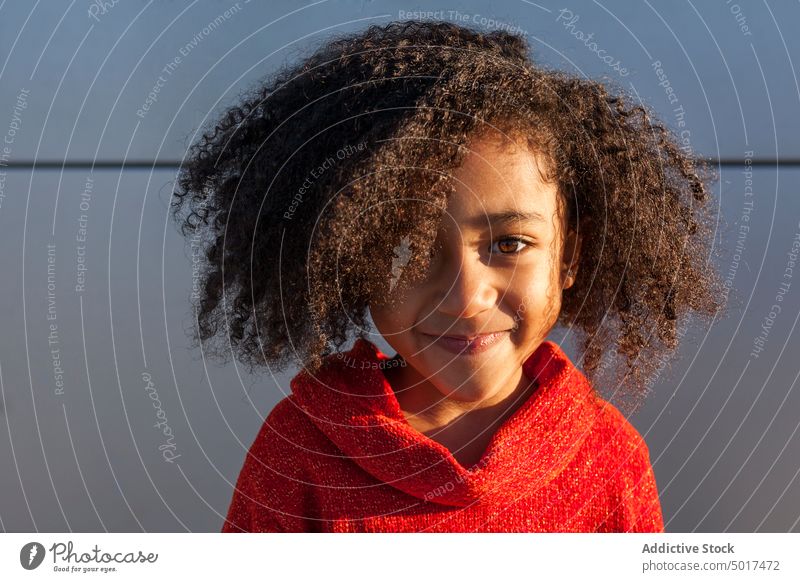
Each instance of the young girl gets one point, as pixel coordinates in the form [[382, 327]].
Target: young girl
[[433, 181]]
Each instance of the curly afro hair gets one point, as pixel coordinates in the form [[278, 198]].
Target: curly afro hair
[[305, 187]]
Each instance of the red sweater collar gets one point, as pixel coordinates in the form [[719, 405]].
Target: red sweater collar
[[352, 403]]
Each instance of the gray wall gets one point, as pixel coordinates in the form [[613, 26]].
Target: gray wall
[[721, 424]]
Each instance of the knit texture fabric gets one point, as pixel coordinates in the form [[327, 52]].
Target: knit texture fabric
[[338, 455]]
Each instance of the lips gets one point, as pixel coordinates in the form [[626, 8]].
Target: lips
[[468, 345]]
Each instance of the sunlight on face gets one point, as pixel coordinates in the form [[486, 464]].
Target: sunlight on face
[[497, 270]]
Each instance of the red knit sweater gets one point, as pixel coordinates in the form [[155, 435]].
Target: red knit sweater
[[337, 455]]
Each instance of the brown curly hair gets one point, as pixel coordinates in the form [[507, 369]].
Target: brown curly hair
[[306, 186]]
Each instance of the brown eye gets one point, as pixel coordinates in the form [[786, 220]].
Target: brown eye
[[509, 246]]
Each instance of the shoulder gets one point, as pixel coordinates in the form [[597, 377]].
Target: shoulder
[[275, 454], [285, 418], [271, 490], [621, 459], [614, 448], [617, 432], [286, 434]]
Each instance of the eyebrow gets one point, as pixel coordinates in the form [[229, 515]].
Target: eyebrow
[[507, 217]]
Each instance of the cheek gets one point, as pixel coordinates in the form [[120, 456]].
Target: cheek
[[383, 319], [394, 317], [534, 298]]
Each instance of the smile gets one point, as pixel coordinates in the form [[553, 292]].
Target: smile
[[468, 346]]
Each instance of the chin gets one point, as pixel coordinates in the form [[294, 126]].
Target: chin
[[466, 389]]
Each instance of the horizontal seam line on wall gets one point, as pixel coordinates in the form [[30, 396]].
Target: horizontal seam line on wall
[[114, 164]]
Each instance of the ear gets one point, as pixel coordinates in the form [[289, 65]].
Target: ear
[[571, 257]]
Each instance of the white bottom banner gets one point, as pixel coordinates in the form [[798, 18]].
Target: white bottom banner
[[400, 557]]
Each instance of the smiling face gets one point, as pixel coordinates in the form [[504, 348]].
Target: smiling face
[[501, 260]]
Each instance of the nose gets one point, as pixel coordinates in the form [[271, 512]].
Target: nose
[[464, 286]]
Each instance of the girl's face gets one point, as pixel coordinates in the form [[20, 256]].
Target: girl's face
[[501, 261]]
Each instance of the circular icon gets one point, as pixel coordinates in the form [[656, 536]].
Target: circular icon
[[31, 555]]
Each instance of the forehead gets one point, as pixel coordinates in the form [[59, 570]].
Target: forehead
[[500, 178]]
